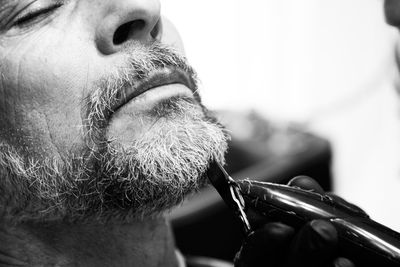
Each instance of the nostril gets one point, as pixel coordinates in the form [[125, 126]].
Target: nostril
[[155, 32], [124, 31]]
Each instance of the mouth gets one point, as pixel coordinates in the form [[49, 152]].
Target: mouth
[[156, 79]]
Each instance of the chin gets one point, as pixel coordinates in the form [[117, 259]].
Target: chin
[[156, 171], [124, 180]]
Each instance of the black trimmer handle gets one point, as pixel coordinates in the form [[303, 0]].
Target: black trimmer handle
[[362, 240]]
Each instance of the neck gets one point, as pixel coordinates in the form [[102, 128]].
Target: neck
[[142, 243]]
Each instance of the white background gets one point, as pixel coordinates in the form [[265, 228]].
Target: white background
[[325, 63], [288, 58]]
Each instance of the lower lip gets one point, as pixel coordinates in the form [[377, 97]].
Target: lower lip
[[153, 96]]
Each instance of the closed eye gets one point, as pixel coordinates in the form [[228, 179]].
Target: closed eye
[[34, 16]]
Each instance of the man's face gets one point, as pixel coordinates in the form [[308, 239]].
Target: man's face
[[99, 110]]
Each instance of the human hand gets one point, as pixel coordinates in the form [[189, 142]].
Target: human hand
[[275, 244]]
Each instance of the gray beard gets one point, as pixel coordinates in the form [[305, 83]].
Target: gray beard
[[146, 178]]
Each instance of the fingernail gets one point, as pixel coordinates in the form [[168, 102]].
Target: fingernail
[[343, 262]]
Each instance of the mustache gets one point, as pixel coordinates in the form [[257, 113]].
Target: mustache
[[141, 61]]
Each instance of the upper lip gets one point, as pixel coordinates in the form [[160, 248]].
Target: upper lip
[[156, 79]]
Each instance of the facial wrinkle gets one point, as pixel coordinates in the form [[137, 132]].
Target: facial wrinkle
[[2, 89], [83, 101], [6, 7], [51, 135], [10, 260], [12, 6]]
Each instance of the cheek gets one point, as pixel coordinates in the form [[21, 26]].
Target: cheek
[[41, 94]]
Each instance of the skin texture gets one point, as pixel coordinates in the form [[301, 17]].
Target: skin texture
[[61, 244], [117, 164], [51, 60], [44, 84]]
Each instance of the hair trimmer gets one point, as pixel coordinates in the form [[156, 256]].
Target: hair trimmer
[[362, 240]]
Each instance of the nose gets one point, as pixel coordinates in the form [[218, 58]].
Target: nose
[[125, 21]]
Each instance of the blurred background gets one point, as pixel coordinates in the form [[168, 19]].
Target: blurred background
[[324, 68]]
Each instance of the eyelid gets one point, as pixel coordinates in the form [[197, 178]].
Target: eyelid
[[35, 13]]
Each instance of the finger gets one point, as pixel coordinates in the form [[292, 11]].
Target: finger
[[347, 205], [314, 245], [265, 246], [343, 262], [306, 183]]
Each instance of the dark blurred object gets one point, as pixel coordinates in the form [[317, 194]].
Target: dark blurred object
[[259, 150], [360, 239]]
